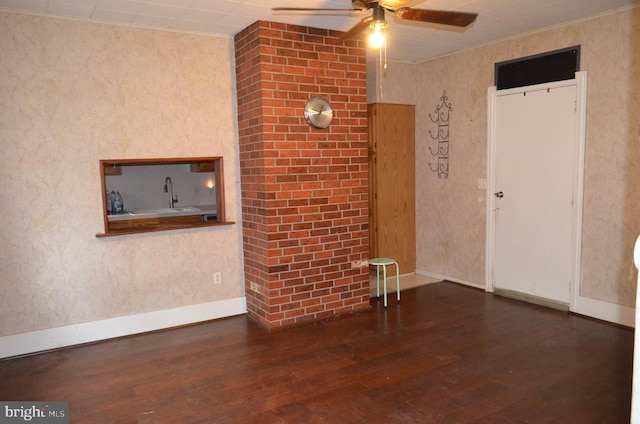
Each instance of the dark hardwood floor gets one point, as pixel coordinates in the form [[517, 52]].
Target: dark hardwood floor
[[445, 354]]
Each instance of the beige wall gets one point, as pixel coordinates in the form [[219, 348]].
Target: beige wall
[[73, 93], [394, 84], [451, 212]]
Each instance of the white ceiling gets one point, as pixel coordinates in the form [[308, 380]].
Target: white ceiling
[[408, 42]]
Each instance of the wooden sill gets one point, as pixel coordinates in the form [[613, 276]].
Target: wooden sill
[[159, 226]]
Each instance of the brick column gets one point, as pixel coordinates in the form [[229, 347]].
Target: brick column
[[304, 190]]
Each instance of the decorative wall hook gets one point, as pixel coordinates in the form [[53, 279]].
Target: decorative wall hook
[[442, 114]]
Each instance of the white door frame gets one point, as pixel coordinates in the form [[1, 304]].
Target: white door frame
[[580, 82]]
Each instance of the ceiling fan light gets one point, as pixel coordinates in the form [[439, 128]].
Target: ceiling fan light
[[378, 37]]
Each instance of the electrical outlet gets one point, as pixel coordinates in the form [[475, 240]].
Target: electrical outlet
[[217, 278], [255, 287]]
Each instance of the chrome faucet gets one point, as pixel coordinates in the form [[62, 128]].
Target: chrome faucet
[[168, 188]]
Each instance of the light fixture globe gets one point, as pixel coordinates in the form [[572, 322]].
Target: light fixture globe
[[379, 36], [379, 26]]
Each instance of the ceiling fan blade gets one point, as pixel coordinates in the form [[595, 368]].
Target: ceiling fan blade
[[443, 17], [357, 28]]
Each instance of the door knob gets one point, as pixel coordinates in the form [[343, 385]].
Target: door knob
[[499, 194]]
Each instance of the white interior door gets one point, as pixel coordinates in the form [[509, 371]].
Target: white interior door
[[534, 184]]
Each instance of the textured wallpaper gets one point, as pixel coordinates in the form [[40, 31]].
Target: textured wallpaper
[[394, 82], [450, 213], [74, 93]]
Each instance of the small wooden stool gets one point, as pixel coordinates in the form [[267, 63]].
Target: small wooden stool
[[383, 262]]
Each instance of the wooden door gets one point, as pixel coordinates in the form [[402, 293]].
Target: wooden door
[[392, 222]]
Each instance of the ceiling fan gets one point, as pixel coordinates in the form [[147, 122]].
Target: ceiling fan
[[376, 21]]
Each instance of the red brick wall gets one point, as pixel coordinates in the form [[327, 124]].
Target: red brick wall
[[304, 190]]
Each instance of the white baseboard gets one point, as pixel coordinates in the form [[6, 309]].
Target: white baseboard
[[606, 311], [54, 338], [444, 277]]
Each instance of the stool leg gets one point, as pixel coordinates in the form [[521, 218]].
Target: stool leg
[[378, 281], [398, 280], [384, 268]]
